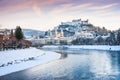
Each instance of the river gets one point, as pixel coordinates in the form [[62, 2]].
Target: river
[[74, 65]]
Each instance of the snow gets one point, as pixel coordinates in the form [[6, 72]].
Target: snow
[[50, 46], [97, 47], [78, 47], [16, 60]]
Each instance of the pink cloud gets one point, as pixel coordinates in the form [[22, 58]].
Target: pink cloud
[[70, 7], [104, 7], [7, 5], [63, 5]]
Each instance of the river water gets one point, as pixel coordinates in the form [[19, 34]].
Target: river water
[[74, 65]]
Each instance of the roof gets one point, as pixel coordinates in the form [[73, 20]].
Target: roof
[[1, 34]]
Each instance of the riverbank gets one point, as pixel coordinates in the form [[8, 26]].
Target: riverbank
[[17, 60], [78, 47]]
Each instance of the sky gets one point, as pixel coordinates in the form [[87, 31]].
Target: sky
[[46, 14]]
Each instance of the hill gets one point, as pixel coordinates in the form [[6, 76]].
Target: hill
[[28, 33]]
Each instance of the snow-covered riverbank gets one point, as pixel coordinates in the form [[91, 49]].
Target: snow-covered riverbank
[[16, 60], [78, 47]]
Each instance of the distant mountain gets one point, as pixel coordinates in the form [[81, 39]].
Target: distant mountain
[[28, 33]]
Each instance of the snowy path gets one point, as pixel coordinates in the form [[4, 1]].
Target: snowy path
[[16, 60]]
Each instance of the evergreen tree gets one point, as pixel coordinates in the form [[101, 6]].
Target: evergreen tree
[[75, 42], [18, 33], [100, 40], [118, 38], [108, 41], [112, 38]]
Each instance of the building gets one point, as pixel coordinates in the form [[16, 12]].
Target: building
[[1, 41], [59, 34], [8, 40], [76, 22], [83, 34]]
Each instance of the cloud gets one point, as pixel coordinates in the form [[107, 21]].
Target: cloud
[[54, 11], [37, 10], [104, 10], [12, 5], [69, 7], [60, 8], [87, 8], [58, 5], [7, 5], [104, 7]]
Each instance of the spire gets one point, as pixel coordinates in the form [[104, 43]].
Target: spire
[[55, 32], [62, 33], [50, 33], [11, 33]]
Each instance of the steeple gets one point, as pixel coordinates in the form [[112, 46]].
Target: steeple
[[56, 32], [62, 33], [50, 33], [11, 33]]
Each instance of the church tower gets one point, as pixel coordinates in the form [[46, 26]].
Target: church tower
[[62, 33]]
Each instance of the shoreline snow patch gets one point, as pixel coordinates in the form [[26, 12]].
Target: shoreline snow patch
[[79, 47], [17, 60]]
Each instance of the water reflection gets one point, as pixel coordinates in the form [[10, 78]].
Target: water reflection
[[100, 64], [63, 55], [85, 65], [115, 61], [76, 65]]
